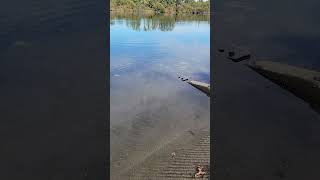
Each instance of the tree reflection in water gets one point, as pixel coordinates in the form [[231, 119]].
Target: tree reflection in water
[[154, 22]]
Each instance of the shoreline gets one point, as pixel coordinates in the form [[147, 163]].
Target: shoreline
[[147, 11], [151, 14]]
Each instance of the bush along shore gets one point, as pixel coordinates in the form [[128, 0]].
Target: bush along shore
[[161, 6]]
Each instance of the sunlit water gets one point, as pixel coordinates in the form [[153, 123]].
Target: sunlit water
[[149, 105]]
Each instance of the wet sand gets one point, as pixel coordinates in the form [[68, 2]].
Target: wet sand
[[144, 134], [177, 159]]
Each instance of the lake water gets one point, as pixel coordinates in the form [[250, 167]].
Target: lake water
[[53, 89], [149, 105]]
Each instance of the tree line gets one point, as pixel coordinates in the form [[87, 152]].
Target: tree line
[[163, 6]]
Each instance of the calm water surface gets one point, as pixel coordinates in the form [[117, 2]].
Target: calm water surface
[[149, 104], [52, 85]]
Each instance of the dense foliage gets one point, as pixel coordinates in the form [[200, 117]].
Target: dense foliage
[[163, 6]]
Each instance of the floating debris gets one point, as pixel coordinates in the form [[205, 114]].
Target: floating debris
[[173, 155], [199, 172], [191, 132]]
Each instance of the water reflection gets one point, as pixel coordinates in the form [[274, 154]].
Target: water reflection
[[149, 105], [156, 22]]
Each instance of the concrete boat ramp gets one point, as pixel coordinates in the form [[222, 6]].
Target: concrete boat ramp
[[303, 83]]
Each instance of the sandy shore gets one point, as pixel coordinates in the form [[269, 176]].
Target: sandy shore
[[146, 134], [190, 149]]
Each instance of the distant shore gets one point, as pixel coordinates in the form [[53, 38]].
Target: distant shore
[[151, 13], [123, 10], [201, 8]]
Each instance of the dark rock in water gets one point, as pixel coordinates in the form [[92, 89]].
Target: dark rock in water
[[231, 54], [241, 58], [239, 54], [221, 50]]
